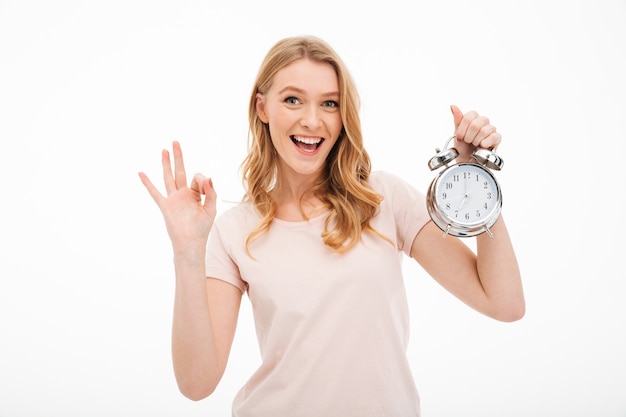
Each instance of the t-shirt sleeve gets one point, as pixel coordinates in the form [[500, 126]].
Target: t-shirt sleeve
[[219, 262], [408, 206]]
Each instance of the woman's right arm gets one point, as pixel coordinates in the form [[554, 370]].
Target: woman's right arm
[[205, 318], [205, 310]]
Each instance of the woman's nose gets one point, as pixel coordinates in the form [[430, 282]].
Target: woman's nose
[[311, 117]]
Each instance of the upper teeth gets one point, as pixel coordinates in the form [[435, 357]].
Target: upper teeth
[[308, 141]]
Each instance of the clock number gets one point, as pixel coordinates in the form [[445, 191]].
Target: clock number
[[486, 184], [478, 213], [447, 206], [467, 216], [448, 186], [488, 196], [455, 178], [444, 196]]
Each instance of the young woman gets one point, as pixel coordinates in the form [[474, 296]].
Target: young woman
[[316, 244]]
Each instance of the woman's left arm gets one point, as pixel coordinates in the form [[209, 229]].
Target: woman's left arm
[[488, 281]]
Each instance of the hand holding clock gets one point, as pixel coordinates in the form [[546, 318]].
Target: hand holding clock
[[473, 130], [472, 162]]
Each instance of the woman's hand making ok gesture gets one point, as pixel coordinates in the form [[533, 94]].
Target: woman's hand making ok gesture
[[188, 216]]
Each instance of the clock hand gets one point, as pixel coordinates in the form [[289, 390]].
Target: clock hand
[[465, 195], [465, 198]]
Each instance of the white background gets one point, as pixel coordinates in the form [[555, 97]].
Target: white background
[[90, 92]]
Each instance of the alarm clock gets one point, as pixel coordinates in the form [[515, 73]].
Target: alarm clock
[[465, 199]]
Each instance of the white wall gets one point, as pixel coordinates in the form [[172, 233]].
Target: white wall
[[90, 92]]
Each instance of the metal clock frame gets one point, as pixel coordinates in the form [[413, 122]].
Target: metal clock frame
[[486, 160]]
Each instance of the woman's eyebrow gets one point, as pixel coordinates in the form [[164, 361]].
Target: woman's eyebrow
[[301, 91]]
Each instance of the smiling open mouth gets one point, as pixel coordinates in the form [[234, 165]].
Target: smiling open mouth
[[307, 144]]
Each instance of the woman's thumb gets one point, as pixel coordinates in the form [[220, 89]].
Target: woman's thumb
[[457, 114]]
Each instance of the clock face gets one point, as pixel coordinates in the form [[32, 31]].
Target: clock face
[[467, 194]]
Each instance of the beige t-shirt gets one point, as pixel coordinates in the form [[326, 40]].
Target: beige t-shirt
[[332, 328]]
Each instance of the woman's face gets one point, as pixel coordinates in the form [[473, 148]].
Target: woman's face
[[302, 111]]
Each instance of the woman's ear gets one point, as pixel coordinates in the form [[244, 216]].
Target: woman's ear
[[260, 108]]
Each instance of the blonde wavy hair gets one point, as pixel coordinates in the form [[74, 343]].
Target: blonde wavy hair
[[343, 187]]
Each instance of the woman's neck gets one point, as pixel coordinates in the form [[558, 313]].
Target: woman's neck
[[296, 200]]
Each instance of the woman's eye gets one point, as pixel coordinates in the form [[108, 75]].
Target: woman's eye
[[331, 104], [292, 100]]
